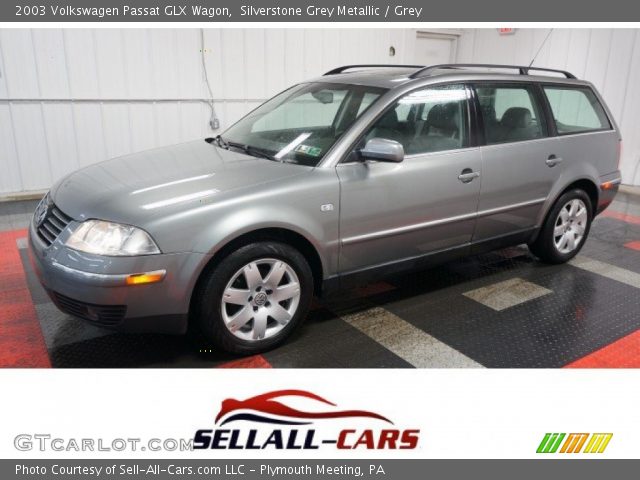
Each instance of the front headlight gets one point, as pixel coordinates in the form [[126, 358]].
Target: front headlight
[[113, 239]]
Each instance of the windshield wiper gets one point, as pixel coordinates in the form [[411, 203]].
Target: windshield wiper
[[248, 149], [221, 142]]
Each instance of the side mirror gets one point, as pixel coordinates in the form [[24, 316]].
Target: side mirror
[[383, 150]]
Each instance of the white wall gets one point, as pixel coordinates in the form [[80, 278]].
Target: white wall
[[73, 97], [609, 58]]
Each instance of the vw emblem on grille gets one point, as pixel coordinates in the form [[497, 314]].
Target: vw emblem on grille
[[41, 212]]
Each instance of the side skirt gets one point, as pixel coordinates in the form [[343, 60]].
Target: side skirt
[[367, 275]]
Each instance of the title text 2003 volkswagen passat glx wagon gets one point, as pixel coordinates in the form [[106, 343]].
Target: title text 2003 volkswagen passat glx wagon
[[361, 172]]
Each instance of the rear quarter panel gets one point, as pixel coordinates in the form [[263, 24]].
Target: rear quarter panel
[[589, 156], [586, 156]]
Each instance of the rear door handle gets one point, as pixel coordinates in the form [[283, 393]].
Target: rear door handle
[[467, 175], [553, 160]]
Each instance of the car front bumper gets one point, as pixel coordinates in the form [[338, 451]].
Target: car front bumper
[[94, 287]]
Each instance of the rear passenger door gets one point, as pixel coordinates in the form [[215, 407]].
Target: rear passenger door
[[519, 160]]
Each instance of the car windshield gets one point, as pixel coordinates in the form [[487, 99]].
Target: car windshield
[[302, 123]]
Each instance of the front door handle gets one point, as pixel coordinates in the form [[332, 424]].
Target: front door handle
[[467, 175], [553, 160]]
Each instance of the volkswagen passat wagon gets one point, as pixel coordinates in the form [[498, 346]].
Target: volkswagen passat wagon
[[365, 171]]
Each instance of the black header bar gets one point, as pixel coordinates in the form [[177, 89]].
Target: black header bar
[[319, 11]]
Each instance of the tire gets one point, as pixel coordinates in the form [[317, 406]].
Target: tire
[[236, 299], [554, 243]]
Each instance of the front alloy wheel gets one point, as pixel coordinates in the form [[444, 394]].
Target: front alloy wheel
[[254, 297], [260, 299]]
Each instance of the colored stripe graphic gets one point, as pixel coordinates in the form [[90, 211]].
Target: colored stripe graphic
[[550, 443], [598, 442], [543, 443], [583, 439], [575, 441]]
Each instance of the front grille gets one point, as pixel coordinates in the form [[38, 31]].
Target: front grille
[[101, 315], [55, 221]]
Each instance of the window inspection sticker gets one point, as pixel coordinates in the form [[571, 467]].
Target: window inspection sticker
[[309, 150], [299, 139]]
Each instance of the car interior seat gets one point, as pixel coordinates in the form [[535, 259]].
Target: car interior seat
[[441, 130], [517, 124], [388, 127]]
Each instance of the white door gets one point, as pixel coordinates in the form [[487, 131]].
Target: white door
[[434, 49]]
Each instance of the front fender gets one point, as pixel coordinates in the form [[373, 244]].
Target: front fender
[[319, 232], [306, 204]]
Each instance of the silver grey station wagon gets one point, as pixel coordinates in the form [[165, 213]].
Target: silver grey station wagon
[[366, 171]]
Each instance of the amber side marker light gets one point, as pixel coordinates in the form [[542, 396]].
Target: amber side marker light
[[610, 185], [144, 278]]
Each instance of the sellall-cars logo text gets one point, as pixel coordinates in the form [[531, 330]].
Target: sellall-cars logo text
[[267, 422]]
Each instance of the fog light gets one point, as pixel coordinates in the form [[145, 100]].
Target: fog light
[[148, 277]]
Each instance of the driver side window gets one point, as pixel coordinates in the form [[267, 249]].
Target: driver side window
[[426, 121]]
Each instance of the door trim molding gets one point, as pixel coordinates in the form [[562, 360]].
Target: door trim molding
[[434, 223], [406, 229], [365, 275], [515, 206]]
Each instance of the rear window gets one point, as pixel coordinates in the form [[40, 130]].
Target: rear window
[[576, 110]]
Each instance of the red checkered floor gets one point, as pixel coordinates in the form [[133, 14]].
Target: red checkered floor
[[503, 309]]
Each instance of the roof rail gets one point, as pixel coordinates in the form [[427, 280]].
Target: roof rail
[[521, 69], [335, 71]]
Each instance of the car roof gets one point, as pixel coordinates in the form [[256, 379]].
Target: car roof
[[391, 77], [374, 77]]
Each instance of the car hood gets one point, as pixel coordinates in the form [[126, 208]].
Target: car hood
[[135, 188]]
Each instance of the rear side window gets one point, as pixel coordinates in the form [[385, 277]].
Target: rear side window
[[576, 110], [510, 113]]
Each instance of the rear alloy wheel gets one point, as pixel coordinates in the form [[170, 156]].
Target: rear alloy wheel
[[570, 226], [255, 297], [565, 229]]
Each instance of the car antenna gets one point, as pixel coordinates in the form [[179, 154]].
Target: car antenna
[[541, 45]]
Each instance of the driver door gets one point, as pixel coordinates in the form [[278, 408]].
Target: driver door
[[390, 212]]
